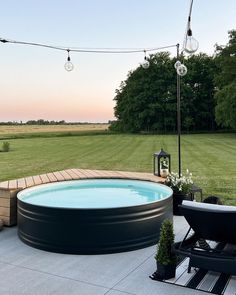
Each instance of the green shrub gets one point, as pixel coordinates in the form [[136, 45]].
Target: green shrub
[[165, 254], [5, 146]]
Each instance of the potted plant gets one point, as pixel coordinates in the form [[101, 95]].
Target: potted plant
[[181, 187], [165, 257]]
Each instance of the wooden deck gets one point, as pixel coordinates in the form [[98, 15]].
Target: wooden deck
[[9, 189]]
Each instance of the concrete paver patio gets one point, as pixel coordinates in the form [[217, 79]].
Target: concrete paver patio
[[25, 270]]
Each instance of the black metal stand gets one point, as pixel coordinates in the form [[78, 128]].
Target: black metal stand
[[178, 115]]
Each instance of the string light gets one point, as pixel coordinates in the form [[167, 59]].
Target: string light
[[145, 64], [177, 64], [190, 43], [181, 69], [68, 65]]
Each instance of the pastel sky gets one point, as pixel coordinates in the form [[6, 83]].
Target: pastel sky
[[33, 81]]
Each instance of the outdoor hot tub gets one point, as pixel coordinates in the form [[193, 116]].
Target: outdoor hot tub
[[93, 216]]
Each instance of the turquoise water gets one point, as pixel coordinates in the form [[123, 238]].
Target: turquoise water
[[95, 193]]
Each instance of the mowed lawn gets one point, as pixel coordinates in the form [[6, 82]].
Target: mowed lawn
[[210, 157]]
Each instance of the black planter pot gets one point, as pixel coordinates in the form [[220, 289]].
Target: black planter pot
[[177, 200], [166, 272]]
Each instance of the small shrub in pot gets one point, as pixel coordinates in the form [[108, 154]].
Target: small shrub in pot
[[165, 257]]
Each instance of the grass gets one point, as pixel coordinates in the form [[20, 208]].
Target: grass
[[210, 157]]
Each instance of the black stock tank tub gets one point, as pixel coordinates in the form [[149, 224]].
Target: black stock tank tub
[[93, 216]]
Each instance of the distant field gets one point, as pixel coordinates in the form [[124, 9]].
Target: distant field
[[5, 130], [210, 157]]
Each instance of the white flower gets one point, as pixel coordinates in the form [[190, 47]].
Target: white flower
[[181, 184]]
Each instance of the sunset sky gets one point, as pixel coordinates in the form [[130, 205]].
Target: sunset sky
[[33, 81]]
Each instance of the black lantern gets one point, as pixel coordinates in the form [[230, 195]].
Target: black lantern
[[161, 163]]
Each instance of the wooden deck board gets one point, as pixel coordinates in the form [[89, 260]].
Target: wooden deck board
[[44, 178], [66, 175], [80, 173], [58, 176], [51, 177], [4, 184], [77, 173], [21, 183], [89, 173], [37, 180], [72, 174], [29, 181], [98, 173], [12, 184]]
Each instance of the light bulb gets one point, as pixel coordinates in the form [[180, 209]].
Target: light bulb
[[177, 64], [145, 64], [69, 66], [191, 44], [182, 70]]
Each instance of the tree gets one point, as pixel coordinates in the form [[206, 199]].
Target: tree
[[226, 82], [141, 100], [198, 89], [146, 100], [226, 106]]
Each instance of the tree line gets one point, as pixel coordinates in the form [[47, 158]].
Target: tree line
[[35, 122], [46, 122], [146, 100]]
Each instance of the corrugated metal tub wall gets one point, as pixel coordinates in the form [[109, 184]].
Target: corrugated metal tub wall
[[94, 228]]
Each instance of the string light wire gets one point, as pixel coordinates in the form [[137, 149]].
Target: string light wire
[[188, 25], [87, 50]]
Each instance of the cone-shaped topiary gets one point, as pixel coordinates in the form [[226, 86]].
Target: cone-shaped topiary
[[165, 254]]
